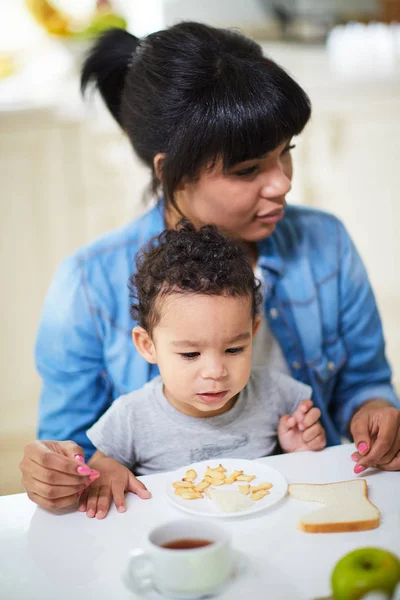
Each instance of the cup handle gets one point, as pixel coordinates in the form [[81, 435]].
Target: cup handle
[[139, 571]]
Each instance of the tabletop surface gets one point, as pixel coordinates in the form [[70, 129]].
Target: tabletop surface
[[68, 556]]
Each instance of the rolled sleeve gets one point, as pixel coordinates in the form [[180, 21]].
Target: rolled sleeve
[[366, 374]]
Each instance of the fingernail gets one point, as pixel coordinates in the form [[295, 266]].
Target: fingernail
[[94, 475], [90, 513], [84, 470], [79, 457], [359, 469], [100, 514], [354, 457], [362, 447], [301, 427], [146, 494], [121, 509]]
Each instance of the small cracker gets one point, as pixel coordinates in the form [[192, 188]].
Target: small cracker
[[233, 476], [182, 484], [245, 477], [200, 487], [262, 486], [258, 495]]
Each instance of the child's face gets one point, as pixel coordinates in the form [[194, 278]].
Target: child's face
[[202, 345]]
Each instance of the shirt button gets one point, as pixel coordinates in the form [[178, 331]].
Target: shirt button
[[331, 366], [296, 365], [273, 313]]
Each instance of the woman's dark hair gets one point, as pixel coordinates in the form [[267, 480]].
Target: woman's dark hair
[[195, 93], [186, 260]]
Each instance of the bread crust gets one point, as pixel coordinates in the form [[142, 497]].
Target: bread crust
[[339, 527]]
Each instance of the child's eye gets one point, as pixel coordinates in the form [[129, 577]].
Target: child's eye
[[235, 350], [247, 171], [190, 355]]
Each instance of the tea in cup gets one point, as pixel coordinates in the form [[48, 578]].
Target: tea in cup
[[186, 559]]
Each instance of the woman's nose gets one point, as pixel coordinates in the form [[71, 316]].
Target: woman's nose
[[276, 183]]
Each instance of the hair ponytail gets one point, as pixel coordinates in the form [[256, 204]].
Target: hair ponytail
[[106, 66]]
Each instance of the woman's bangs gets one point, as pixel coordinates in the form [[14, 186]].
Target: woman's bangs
[[253, 122]]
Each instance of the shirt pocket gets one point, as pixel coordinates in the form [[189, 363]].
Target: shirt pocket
[[327, 367]]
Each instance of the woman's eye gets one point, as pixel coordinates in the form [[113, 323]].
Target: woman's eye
[[247, 171], [190, 355], [288, 148], [235, 350]]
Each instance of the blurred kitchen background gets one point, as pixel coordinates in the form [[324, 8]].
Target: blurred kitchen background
[[67, 174]]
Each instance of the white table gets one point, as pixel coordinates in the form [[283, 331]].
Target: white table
[[44, 556]]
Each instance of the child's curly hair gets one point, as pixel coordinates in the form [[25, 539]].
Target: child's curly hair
[[186, 260]]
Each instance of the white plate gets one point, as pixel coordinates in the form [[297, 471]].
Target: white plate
[[208, 508]]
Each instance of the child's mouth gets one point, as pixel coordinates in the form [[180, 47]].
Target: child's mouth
[[211, 397]]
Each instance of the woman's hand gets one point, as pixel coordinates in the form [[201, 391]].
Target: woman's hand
[[53, 473], [302, 430], [114, 481], [375, 428]]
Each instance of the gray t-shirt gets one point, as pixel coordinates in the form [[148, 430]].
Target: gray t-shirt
[[144, 432]]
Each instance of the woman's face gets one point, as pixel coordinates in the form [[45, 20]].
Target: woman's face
[[246, 202]]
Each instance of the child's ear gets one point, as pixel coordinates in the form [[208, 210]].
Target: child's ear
[[256, 324], [144, 344]]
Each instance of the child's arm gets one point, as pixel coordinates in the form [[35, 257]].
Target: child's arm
[[113, 482], [302, 430]]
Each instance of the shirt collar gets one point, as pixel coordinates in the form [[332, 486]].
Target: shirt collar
[[269, 257]]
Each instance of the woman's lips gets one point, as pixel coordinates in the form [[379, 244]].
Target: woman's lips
[[271, 217], [211, 397]]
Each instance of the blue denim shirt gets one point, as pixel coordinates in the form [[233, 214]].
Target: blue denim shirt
[[319, 304]]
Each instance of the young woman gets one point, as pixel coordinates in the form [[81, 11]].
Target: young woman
[[213, 119]]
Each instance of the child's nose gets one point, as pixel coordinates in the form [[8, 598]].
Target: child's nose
[[214, 369]]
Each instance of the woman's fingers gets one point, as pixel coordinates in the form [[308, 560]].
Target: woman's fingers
[[50, 455], [52, 503], [56, 478]]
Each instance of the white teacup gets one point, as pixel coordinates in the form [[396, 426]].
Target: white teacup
[[186, 560]]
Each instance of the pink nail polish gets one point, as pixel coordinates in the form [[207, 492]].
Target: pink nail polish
[[359, 469], [79, 457], [84, 470], [354, 457], [94, 475], [362, 447]]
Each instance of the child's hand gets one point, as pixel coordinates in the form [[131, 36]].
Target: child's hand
[[114, 481], [302, 430]]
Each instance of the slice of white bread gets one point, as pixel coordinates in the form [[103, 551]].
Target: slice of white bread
[[347, 507]]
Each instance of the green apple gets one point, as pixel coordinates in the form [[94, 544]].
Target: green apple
[[365, 570]]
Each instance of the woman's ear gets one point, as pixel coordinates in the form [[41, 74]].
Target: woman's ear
[[158, 164], [256, 324], [144, 344]]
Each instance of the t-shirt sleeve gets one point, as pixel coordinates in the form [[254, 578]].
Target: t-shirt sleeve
[[280, 394], [291, 392], [113, 434]]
